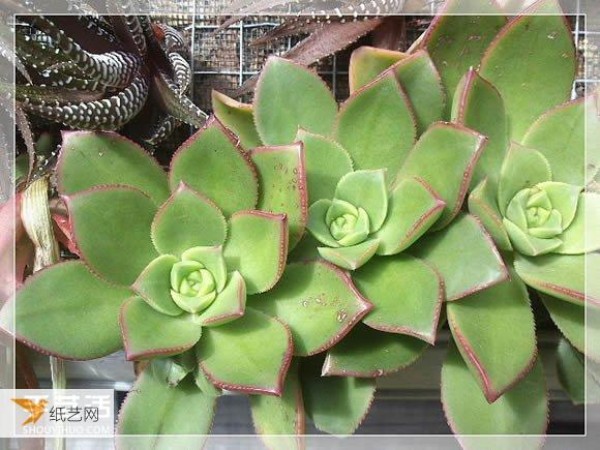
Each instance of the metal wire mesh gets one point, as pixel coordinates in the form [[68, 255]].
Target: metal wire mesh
[[224, 60]]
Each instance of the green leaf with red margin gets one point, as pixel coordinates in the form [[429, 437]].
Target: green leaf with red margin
[[238, 117], [318, 302], [367, 63], [352, 257], [580, 378], [422, 83], [366, 352], [465, 257], [139, 325], [154, 285], [212, 163], [495, 332], [406, 294], [282, 175], [187, 219], [376, 125], [484, 205], [86, 313], [563, 276], [111, 225], [541, 40], [280, 421], [229, 305], [157, 416], [457, 39], [412, 209], [288, 97], [523, 168], [521, 411], [251, 354], [571, 321], [257, 247], [326, 162], [479, 106], [445, 158], [90, 159], [562, 135], [336, 405]]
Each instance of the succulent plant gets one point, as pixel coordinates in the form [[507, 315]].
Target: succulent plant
[[383, 173], [104, 83]]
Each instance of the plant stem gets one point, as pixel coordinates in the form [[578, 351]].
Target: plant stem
[[37, 221]]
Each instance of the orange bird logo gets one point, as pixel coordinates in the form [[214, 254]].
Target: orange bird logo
[[35, 409]]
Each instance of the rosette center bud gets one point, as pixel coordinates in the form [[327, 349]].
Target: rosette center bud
[[348, 225], [193, 286]]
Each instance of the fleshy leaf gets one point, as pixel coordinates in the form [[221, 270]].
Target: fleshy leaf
[[376, 125], [479, 106], [562, 134], [367, 63], [238, 117], [229, 305], [168, 417], [111, 226], [91, 159], [366, 352], [526, 244], [495, 333], [523, 168], [174, 369], [211, 163], [280, 421], [318, 302], [564, 198], [465, 257], [563, 276], [456, 39], [257, 248], [350, 258], [317, 222], [289, 96], [521, 411], [578, 377], [366, 189], [139, 325], [571, 320], [575, 238], [251, 354], [187, 220], [445, 158], [326, 163], [154, 286], [484, 206], [540, 39], [413, 208], [88, 323], [282, 177], [421, 81], [406, 294], [336, 405]]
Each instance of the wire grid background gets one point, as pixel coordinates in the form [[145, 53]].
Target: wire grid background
[[223, 60]]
